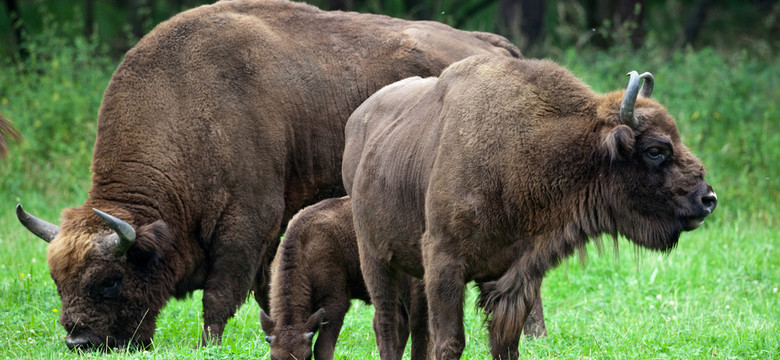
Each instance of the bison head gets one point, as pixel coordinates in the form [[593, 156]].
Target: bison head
[[656, 185], [110, 276], [290, 342]]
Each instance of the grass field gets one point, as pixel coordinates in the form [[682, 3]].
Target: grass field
[[715, 296]]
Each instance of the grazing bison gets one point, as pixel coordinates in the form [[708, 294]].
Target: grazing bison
[[315, 274], [498, 170], [6, 129], [215, 129]]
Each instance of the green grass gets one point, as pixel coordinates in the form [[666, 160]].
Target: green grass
[[716, 295], [712, 297]]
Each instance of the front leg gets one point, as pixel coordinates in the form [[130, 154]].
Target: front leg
[[335, 310], [226, 289], [507, 302], [535, 326], [234, 258]]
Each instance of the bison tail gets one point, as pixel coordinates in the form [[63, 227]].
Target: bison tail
[[507, 303]]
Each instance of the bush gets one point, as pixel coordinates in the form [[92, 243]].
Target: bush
[[52, 97]]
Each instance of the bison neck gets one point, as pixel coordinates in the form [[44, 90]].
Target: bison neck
[[547, 204], [291, 292], [142, 192]]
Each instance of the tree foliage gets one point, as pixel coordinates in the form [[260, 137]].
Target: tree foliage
[[539, 27]]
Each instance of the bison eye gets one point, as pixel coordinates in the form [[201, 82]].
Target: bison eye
[[110, 288], [654, 156]]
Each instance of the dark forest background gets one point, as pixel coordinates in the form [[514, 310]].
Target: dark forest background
[[538, 27]]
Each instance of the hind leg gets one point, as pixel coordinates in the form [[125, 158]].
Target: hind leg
[[382, 285], [444, 287], [402, 320], [418, 320]]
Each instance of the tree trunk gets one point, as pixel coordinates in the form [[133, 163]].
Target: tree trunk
[[695, 21], [89, 18], [612, 16], [521, 22], [139, 11], [631, 13], [18, 28]]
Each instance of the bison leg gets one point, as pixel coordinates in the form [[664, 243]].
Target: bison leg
[[223, 294], [382, 285], [260, 286], [418, 320], [508, 303], [402, 322], [335, 311], [444, 287], [234, 255], [534, 326]]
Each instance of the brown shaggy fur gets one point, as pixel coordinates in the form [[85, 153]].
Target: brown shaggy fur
[[217, 127], [315, 274], [495, 172], [6, 130]]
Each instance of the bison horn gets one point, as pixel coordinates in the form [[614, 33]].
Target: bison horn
[[629, 99], [42, 229], [123, 230]]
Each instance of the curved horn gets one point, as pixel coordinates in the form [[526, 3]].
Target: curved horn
[[123, 229], [647, 86], [42, 229], [629, 99]]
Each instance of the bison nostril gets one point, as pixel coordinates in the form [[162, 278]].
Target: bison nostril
[[710, 200]]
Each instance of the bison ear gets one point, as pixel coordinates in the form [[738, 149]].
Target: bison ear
[[315, 320], [266, 323], [618, 143], [153, 242]]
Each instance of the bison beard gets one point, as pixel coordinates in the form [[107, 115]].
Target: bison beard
[[495, 172], [217, 127]]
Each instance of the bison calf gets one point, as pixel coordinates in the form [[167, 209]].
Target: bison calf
[[495, 172], [315, 274]]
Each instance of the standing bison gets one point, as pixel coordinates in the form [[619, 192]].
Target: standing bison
[[315, 274], [498, 170], [216, 128]]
